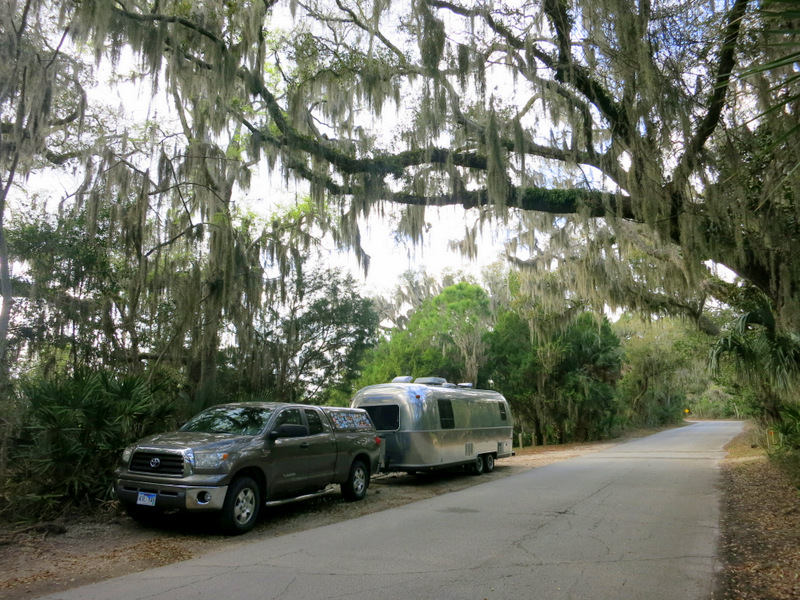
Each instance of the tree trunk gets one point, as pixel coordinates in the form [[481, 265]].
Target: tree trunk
[[7, 298], [5, 274]]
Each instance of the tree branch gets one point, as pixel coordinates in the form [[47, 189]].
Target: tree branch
[[554, 201], [716, 102], [565, 69]]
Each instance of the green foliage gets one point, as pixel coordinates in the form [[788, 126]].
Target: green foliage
[[787, 454], [589, 370], [766, 357], [408, 352], [73, 431], [443, 338], [647, 391], [68, 284], [201, 305], [717, 403], [789, 427], [563, 387], [567, 374], [665, 373], [308, 348]]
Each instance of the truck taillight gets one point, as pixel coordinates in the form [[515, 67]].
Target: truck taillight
[[378, 440]]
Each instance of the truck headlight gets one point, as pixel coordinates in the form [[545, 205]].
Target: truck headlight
[[126, 455], [207, 460]]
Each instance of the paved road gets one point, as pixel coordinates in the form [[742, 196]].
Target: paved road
[[638, 521]]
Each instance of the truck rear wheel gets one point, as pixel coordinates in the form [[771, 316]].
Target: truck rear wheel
[[355, 488], [240, 510]]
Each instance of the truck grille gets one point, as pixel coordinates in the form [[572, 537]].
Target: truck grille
[[156, 463]]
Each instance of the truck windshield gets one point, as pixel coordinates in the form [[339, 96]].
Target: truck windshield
[[233, 420]]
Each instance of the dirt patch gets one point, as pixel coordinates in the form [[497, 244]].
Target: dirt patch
[[760, 527]]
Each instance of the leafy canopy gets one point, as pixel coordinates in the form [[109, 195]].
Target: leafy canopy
[[620, 112]]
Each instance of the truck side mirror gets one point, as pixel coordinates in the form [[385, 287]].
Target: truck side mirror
[[288, 430]]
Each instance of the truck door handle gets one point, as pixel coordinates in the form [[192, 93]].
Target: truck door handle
[[305, 445]]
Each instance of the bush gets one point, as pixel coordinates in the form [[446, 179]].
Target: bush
[[789, 428], [73, 432], [717, 402]]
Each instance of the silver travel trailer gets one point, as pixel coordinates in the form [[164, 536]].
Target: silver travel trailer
[[431, 424]]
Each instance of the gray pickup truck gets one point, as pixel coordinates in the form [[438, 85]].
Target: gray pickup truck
[[235, 458]]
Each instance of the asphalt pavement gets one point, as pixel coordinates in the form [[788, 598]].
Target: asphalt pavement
[[638, 521]]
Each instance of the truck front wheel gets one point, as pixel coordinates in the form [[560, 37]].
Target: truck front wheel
[[240, 510], [355, 488]]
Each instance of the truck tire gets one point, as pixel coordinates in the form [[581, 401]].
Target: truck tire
[[355, 488], [488, 463], [241, 506]]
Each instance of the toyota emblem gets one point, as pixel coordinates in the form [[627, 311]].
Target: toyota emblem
[[155, 462]]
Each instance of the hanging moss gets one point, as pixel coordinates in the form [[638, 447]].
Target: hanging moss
[[582, 115]]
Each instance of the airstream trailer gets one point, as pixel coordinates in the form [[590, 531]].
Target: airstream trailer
[[430, 424]]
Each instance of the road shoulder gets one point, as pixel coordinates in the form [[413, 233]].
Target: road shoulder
[[760, 526]]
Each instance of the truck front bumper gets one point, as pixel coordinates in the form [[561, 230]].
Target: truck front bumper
[[184, 497]]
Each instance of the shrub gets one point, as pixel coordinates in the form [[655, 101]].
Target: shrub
[[789, 427], [73, 432]]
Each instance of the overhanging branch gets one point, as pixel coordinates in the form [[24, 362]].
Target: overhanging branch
[[553, 201], [716, 102]]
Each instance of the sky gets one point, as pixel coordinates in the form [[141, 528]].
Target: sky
[[390, 259], [390, 256]]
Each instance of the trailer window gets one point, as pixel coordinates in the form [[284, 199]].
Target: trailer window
[[446, 417], [503, 415], [385, 417]]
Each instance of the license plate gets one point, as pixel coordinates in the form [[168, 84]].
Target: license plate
[[146, 499]]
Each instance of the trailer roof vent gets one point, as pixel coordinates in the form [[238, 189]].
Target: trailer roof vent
[[431, 380], [403, 379], [466, 385]]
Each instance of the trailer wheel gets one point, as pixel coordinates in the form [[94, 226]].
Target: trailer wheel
[[488, 463], [355, 488], [240, 510], [477, 467]]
